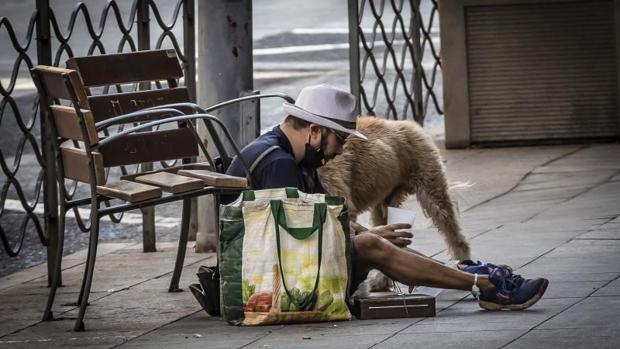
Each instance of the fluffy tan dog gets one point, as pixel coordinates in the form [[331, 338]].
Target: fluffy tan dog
[[399, 159]]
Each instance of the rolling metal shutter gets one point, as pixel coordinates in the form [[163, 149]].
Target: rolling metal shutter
[[542, 71]]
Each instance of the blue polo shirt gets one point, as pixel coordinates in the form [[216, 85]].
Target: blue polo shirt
[[278, 169]]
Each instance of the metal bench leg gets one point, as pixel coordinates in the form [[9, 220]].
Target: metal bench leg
[[57, 268], [178, 265], [89, 269], [83, 284]]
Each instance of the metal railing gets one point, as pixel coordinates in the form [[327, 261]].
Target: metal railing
[[395, 62], [53, 43]]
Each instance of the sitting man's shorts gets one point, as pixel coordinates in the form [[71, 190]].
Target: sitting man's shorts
[[358, 273]]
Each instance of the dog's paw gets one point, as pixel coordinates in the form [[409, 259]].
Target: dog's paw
[[363, 291], [376, 281]]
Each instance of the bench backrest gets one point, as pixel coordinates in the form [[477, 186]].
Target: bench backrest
[[78, 122], [131, 67]]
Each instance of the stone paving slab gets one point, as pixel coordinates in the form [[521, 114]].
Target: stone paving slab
[[313, 341], [610, 289], [590, 313], [576, 289], [19, 312], [493, 172], [114, 273], [468, 315], [577, 257], [610, 230], [69, 261], [348, 334], [465, 340], [574, 338], [201, 331]]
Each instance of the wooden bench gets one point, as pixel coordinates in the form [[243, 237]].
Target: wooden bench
[[86, 146]]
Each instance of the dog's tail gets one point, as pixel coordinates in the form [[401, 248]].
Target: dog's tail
[[435, 200]]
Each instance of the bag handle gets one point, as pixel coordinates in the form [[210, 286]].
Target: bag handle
[[291, 193], [320, 211]]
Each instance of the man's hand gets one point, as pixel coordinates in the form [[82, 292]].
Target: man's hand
[[394, 233], [357, 228]]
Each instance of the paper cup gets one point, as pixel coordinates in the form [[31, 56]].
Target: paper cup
[[399, 215]]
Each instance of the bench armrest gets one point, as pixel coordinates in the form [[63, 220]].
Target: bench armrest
[[248, 98], [198, 109], [136, 116]]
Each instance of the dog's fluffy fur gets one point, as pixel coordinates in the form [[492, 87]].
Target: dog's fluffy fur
[[398, 159]]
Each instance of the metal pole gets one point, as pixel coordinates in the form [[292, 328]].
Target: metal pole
[[189, 68], [50, 190], [224, 69], [225, 55], [417, 61], [189, 47], [144, 43], [354, 54]]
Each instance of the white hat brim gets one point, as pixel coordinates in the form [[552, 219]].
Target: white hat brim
[[291, 109]]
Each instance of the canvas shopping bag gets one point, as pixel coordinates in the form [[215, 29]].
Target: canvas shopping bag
[[283, 258]]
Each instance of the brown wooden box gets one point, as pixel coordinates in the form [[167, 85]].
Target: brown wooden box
[[386, 305]]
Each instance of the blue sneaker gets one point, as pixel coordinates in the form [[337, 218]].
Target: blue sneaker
[[478, 267], [511, 291]]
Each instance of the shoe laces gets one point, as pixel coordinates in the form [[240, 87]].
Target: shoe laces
[[505, 281], [513, 282]]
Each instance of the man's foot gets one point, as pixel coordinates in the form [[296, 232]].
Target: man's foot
[[511, 291]]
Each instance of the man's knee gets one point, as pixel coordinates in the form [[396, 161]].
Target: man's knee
[[372, 247]]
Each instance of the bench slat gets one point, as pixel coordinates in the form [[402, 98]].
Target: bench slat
[[53, 81], [75, 165], [150, 146], [216, 179], [173, 169], [110, 105], [68, 123], [131, 67], [129, 191], [170, 182]]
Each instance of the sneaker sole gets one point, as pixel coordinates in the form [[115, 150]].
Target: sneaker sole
[[494, 306]]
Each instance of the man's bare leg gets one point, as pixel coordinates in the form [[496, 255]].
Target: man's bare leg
[[411, 268]]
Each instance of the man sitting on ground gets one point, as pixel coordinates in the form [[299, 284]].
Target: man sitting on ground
[[315, 131]]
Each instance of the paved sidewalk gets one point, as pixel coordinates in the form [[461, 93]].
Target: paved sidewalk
[[547, 211]]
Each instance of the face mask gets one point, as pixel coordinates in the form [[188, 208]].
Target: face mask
[[314, 157]]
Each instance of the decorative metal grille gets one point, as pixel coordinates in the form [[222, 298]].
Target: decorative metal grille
[[396, 72], [22, 194], [10, 159]]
